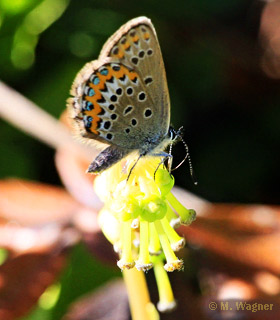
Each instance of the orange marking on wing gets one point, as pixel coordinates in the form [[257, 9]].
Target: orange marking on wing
[[126, 45], [120, 54], [120, 73], [98, 95], [135, 38], [97, 109], [146, 36], [95, 121], [132, 75], [102, 79], [110, 73], [94, 124]]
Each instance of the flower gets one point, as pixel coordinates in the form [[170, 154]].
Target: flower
[[139, 217]]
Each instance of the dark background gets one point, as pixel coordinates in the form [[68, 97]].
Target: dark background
[[220, 87]]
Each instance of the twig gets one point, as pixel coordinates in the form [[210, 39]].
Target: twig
[[28, 117]]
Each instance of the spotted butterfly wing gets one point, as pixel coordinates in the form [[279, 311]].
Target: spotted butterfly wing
[[122, 98]]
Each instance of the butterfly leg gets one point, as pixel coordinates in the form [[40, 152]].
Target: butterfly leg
[[130, 171], [165, 156], [162, 154], [106, 159]]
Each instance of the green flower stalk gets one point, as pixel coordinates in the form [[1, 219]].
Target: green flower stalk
[[166, 297], [139, 217]]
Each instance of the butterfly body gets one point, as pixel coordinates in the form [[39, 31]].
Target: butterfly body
[[122, 98]]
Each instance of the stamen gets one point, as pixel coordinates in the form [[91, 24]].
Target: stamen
[[126, 261], [175, 240], [143, 263], [166, 298], [172, 262], [172, 217], [187, 216], [154, 244]]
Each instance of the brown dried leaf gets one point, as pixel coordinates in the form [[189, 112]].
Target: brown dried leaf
[[31, 203], [234, 232], [108, 303], [24, 278], [20, 240], [244, 219]]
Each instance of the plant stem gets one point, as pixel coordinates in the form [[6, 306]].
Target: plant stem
[[138, 295], [28, 117]]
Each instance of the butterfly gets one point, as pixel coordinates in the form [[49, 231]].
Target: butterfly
[[122, 98]]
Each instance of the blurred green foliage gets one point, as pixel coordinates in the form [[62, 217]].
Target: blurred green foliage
[[82, 275], [228, 106]]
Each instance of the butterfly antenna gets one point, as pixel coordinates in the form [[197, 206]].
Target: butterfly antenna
[[169, 164], [187, 156]]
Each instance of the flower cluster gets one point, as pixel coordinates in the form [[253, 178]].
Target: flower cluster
[[139, 218]]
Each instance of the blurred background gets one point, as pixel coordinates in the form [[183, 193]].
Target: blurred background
[[223, 77], [222, 61]]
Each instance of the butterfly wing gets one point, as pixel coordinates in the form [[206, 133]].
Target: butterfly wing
[[122, 98]]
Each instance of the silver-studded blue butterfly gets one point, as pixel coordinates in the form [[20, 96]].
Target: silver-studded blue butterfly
[[122, 98]]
